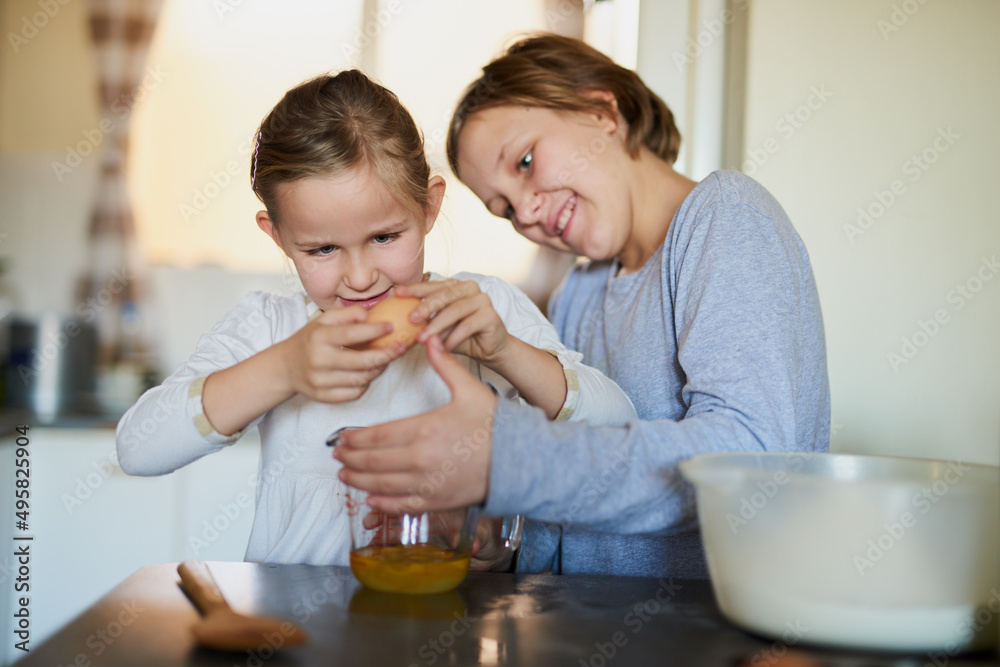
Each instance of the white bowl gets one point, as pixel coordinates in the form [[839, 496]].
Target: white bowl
[[860, 551]]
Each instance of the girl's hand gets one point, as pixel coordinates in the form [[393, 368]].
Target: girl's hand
[[393, 460], [462, 315], [321, 364]]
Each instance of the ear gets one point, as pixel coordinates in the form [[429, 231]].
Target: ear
[[607, 122], [435, 197], [268, 227]]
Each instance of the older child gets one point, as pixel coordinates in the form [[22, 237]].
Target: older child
[[699, 301]]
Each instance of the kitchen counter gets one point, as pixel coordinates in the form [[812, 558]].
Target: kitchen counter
[[11, 418], [93, 525], [491, 619]]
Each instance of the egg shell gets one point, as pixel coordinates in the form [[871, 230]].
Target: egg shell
[[396, 311]]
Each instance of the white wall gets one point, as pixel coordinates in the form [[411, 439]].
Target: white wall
[[913, 363], [681, 56]]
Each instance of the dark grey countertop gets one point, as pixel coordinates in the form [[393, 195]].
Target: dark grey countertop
[[491, 619]]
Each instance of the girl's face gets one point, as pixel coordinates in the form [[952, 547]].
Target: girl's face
[[558, 176], [350, 240]]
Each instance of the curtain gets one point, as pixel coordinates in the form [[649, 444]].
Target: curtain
[[121, 31]]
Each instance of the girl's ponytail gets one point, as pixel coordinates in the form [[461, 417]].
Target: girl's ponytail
[[334, 123]]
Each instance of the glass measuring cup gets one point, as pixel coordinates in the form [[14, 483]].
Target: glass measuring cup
[[412, 552]]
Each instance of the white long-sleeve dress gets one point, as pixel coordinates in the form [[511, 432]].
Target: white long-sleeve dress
[[300, 512]]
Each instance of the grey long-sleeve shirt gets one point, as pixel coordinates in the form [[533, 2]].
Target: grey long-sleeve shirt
[[718, 340]]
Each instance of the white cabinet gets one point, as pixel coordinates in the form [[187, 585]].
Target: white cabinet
[[214, 504], [93, 525]]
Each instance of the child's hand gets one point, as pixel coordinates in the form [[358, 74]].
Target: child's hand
[[462, 315], [321, 364], [391, 460]]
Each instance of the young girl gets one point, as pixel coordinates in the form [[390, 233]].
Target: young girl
[[340, 167], [699, 301]]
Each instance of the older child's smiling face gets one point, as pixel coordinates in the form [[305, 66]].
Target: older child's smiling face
[[349, 239], [558, 176]]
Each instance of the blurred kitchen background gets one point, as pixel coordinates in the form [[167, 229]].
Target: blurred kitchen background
[[127, 224]]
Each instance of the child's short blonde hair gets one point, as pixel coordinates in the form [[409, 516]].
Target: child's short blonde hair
[[335, 123]]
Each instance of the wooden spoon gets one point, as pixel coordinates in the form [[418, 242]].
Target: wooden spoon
[[221, 627]]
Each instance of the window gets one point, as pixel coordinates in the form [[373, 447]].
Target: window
[[224, 64]]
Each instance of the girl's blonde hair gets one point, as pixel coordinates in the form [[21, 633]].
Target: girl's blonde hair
[[332, 124], [555, 72]]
